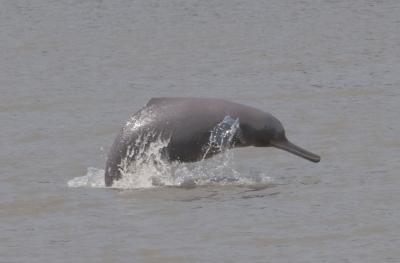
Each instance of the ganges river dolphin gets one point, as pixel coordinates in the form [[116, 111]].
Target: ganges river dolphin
[[196, 129]]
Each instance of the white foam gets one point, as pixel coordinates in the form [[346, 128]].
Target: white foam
[[94, 178], [210, 172]]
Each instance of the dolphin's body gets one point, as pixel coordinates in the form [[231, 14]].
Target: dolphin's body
[[188, 124]]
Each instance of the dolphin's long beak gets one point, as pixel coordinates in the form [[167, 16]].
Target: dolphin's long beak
[[292, 148]]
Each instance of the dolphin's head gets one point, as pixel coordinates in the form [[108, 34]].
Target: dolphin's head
[[273, 134]]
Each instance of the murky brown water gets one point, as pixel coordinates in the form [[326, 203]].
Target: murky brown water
[[71, 73]]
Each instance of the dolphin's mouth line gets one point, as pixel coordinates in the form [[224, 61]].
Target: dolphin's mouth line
[[292, 148]]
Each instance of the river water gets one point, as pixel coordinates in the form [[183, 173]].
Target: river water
[[72, 72]]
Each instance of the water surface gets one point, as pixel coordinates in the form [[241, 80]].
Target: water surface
[[72, 72]]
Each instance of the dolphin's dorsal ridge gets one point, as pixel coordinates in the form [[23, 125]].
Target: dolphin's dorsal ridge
[[162, 100]]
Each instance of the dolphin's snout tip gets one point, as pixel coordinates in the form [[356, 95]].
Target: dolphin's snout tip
[[316, 159]]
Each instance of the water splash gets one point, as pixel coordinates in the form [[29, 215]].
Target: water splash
[[94, 178], [145, 167], [140, 119], [222, 136]]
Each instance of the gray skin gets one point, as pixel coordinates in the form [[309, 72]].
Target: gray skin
[[187, 123]]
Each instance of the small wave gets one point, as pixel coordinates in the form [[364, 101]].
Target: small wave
[[94, 178]]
